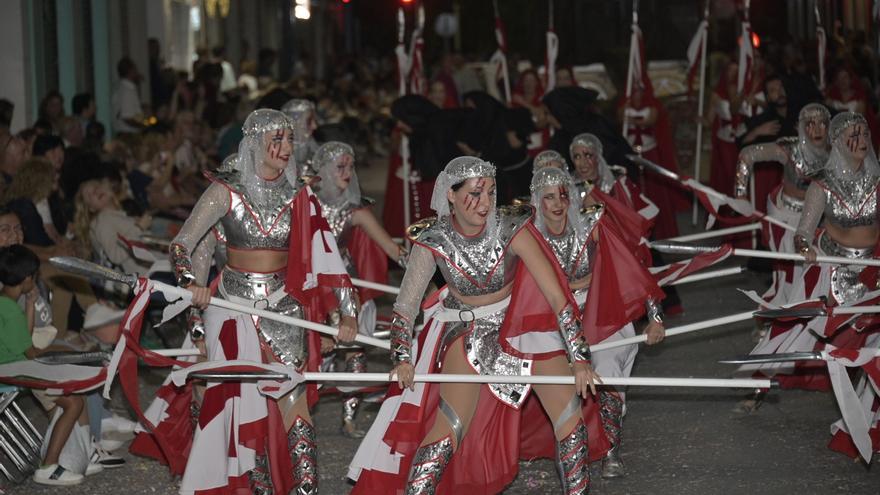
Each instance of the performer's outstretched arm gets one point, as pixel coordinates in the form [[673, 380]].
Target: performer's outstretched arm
[[526, 246], [419, 270], [213, 204], [814, 206], [365, 219], [765, 152]]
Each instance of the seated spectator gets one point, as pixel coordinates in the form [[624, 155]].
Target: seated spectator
[[100, 220], [18, 270], [28, 196], [13, 152], [64, 288]]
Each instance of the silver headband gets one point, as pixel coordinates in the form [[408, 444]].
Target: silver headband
[[586, 140], [814, 111], [842, 121], [457, 171], [545, 158], [549, 177], [265, 120]]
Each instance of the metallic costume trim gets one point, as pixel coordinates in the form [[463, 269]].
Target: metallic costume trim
[[846, 286], [576, 344], [654, 311], [791, 203], [301, 444], [266, 291], [572, 461], [182, 263], [427, 467], [611, 412], [260, 477], [453, 419], [401, 340]]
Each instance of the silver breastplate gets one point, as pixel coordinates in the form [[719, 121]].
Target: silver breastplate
[[850, 202], [798, 171], [477, 265], [575, 253], [338, 216], [259, 225]]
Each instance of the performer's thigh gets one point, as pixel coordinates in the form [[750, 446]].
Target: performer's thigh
[[555, 398], [294, 404], [461, 397]]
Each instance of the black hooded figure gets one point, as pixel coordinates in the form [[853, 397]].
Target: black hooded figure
[[500, 136], [572, 108]]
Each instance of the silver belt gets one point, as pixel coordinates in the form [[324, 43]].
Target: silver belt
[[791, 203], [833, 248], [451, 314]]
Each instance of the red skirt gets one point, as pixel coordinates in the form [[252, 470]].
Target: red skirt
[[487, 459]]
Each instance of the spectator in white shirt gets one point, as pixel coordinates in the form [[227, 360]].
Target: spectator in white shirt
[[127, 111]]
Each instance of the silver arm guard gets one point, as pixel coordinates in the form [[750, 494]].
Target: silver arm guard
[[570, 328]]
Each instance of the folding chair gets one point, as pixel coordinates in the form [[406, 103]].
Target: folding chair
[[20, 442]]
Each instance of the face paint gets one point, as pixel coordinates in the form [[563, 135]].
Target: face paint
[[852, 140], [274, 149]]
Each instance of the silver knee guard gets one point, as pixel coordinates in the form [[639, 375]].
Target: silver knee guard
[[573, 461], [427, 467], [301, 444]]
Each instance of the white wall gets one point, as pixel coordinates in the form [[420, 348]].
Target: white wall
[[14, 84]]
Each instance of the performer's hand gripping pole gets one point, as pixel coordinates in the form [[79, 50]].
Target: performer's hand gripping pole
[[89, 269]]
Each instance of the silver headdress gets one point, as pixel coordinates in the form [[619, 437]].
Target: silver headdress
[[457, 171], [304, 145], [813, 112], [546, 158], [299, 111], [229, 163], [837, 161], [252, 151], [587, 140], [326, 161], [554, 177]]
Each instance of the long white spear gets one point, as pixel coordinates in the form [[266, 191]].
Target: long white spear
[[672, 248], [76, 265], [208, 374], [713, 233]]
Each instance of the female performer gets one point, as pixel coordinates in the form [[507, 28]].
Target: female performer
[[802, 158], [301, 113], [238, 442], [363, 244], [582, 241], [491, 259], [845, 194]]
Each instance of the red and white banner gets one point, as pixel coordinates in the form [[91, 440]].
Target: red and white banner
[[746, 58], [499, 58], [314, 265], [665, 275], [695, 52]]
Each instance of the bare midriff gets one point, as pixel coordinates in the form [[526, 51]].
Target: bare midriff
[[485, 299], [792, 191], [860, 237], [582, 283], [256, 260]]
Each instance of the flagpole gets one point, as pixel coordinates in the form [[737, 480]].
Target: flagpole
[[629, 71], [698, 155], [820, 45], [404, 140]]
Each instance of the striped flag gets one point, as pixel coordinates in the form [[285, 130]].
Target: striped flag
[[695, 52], [499, 58]]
